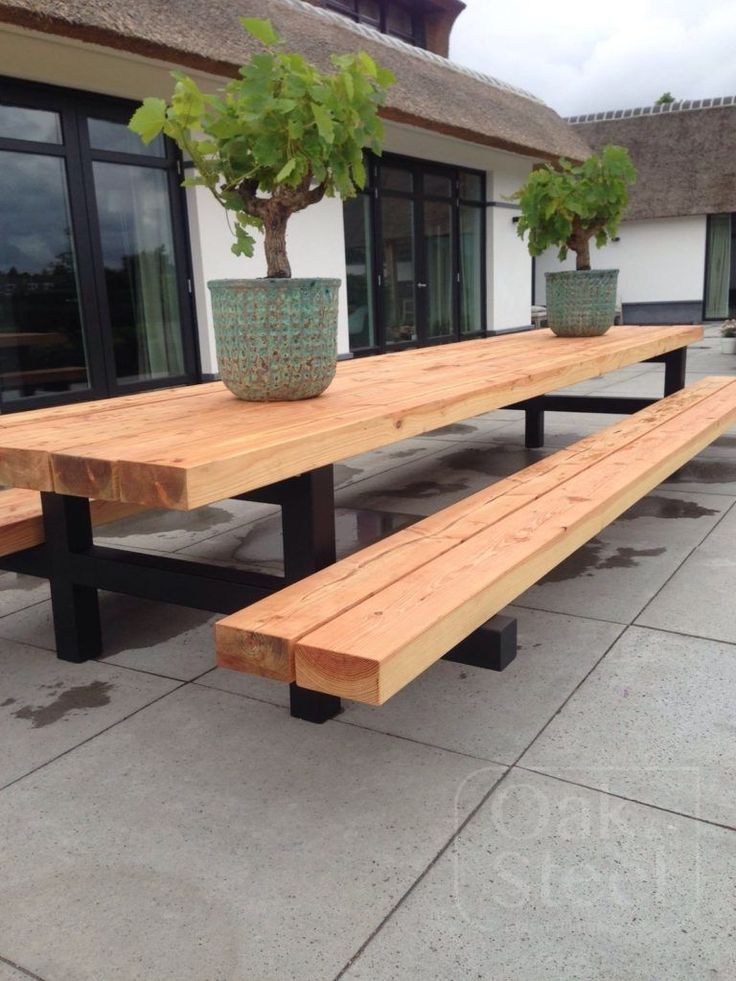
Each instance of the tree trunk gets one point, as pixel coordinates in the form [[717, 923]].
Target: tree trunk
[[582, 252], [274, 227]]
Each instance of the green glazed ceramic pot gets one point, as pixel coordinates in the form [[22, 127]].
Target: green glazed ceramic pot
[[276, 338], [581, 303]]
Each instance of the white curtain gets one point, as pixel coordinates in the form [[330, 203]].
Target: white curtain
[[718, 278]]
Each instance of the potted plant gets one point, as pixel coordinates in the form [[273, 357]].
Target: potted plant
[[273, 141], [566, 207], [728, 337]]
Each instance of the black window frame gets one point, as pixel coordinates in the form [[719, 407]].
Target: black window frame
[[375, 193], [74, 106]]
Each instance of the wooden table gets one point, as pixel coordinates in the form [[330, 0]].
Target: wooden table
[[187, 447]]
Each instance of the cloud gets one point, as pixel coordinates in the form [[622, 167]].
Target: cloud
[[585, 57]]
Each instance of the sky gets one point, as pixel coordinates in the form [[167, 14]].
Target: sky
[[589, 55]]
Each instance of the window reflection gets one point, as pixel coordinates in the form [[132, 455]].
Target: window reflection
[[41, 342], [359, 271], [397, 216], [140, 274]]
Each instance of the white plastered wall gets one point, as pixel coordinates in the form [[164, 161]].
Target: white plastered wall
[[661, 260], [316, 239]]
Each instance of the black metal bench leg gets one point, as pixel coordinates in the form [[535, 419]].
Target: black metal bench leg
[[492, 645], [75, 608], [308, 517], [534, 425], [312, 706], [675, 366]]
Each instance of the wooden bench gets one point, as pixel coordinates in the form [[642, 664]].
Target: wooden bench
[[21, 518], [364, 627]]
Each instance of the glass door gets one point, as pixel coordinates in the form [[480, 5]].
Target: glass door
[[415, 245], [94, 294]]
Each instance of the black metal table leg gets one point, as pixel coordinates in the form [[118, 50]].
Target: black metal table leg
[[675, 366], [308, 521], [76, 613], [534, 423]]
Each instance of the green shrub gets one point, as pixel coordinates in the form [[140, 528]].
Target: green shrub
[[569, 205], [276, 139]]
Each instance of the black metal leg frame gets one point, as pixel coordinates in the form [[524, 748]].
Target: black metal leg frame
[[534, 409], [76, 568]]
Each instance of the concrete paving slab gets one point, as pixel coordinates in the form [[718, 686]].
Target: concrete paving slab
[[550, 882], [48, 706], [428, 485], [168, 640], [213, 837], [167, 531], [364, 465], [489, 714], [653, 722], [260, 546], [618, 572], [18, 592], [699, 599], [8, 973]]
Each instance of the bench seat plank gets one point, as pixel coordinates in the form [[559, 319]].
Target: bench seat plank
[[309, 631], [21, 522]]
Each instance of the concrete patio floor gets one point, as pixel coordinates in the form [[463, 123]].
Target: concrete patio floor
[[571, 818]]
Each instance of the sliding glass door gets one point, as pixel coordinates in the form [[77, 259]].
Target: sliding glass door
[[415, 250], [93, 288]]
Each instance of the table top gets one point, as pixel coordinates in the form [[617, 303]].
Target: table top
[[186, 447]]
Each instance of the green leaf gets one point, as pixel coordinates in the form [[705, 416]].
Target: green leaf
[[148, 119], [287, 169], [324, 123], [261, 29]]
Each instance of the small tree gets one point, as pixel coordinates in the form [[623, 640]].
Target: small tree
[[276, 139], [567, 206], [664, 99]]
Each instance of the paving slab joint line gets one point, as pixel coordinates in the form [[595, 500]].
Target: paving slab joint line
[[463, 824], [21, 970], [629, 800], [89, 740]]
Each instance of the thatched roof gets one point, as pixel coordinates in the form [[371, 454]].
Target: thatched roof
[[685, 154], [431, 93]]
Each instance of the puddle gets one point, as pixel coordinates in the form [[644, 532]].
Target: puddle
[[157, 522], [94, 695], [343, 473], [666, 507], [457, 428], [424, 489], [705, 472], [8, 701], [589, 558]]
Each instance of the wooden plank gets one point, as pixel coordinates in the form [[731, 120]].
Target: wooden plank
[[21, 523], [212, 458], [378, 646], [261, 638]]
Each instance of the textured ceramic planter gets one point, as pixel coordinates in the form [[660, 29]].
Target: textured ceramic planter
[[728, 345], [276, 338], [581, 303]]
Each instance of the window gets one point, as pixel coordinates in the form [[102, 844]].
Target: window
[[386, 16], [93, 284], [720, 271], [415, 247]]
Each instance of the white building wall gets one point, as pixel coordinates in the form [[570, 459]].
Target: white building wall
[[315, 237], [659, 261]]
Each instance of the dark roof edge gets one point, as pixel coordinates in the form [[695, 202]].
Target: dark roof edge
[[686, 105]]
